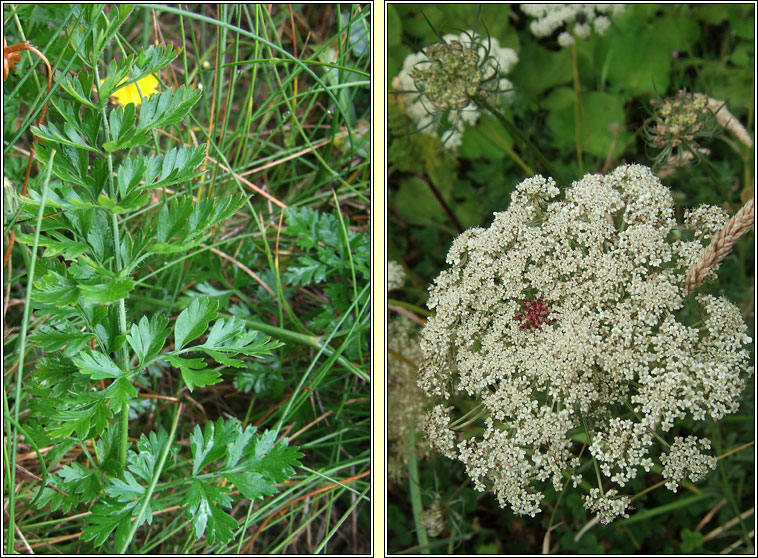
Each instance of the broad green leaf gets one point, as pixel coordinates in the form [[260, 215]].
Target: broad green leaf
[[97, 365], [147, 338], [194, 372], [193, 321]]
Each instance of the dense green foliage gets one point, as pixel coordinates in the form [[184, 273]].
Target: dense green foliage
[[172, 326]]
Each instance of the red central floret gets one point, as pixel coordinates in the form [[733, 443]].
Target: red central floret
[[535, 314]]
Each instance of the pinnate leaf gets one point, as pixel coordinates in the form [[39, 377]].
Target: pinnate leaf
[[69, 136], [253, 463], [106, 516], [108, 292], [211, 444]]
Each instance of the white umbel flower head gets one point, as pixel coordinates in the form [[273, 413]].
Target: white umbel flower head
[[564, 315], [575, 19]]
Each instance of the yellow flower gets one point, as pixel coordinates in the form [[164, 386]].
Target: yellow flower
[[130, 94]]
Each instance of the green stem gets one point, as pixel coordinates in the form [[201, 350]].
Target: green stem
[[150, 489], [123, 353], [520, 137], [415, 490], [578, 110], [20, 368]]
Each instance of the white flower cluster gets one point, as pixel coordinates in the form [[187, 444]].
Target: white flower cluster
[[406, 404], [550, 17], [559, 319], [707, 220], [607, 506], [685, 459], [416, 106], [395, 275]]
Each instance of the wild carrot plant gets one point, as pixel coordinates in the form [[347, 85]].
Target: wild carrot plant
[[587, 340]]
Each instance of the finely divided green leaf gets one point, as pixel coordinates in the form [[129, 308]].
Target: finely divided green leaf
[[108, 292], [194, 372], [69, 136], [200, 506], [53, 339], [184, 223], [56, 244], [120, 392], [147, 338], [98, 365], [85, 420], [56, 289], [193, 321], [211, 444], [125, 490], [167, 107], [104, 518]]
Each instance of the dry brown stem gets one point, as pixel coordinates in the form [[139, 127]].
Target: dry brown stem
[[721, 245], [727, 120]]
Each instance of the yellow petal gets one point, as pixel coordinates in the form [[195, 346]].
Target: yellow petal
[[130, 94]]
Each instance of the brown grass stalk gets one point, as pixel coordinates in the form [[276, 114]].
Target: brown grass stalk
[[721, 245]]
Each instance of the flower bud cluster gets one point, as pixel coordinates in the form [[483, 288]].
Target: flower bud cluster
[[444, 78], [680, 120], [562, 322]]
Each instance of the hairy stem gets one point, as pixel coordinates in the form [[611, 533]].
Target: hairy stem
[[123, 353]]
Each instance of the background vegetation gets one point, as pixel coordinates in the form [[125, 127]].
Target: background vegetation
[[282, 123], [650, 52]]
